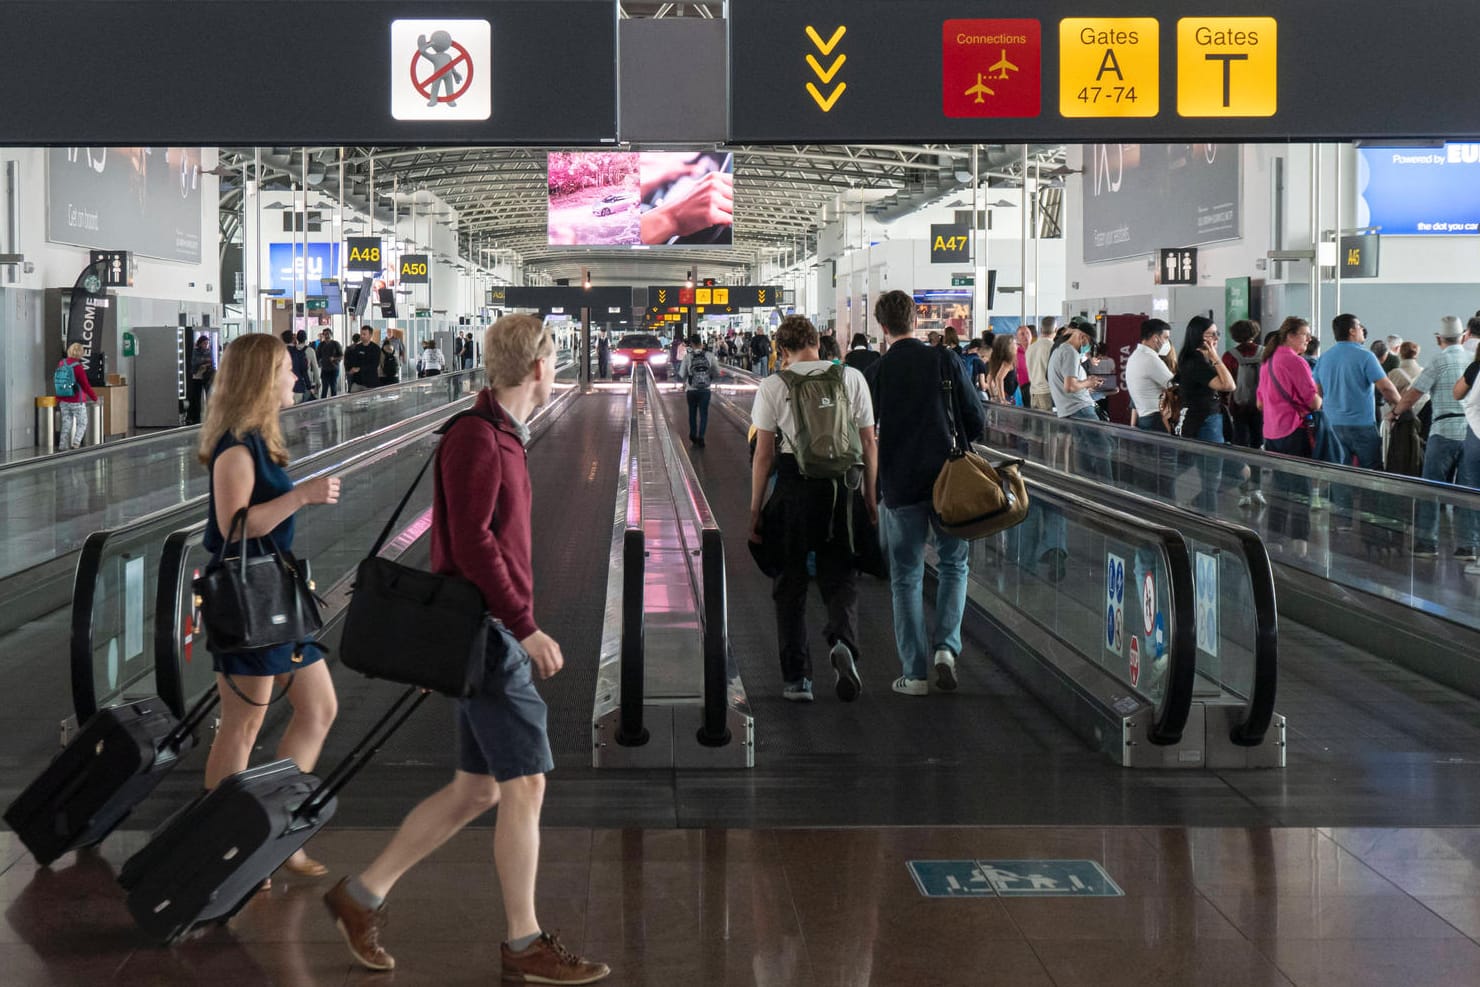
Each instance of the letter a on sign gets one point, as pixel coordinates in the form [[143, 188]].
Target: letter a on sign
[[1109, 64]]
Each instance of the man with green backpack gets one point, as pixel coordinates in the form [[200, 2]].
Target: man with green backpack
[[815, 424]]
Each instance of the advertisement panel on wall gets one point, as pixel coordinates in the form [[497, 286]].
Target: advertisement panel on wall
[[1139, 198], [1419, 191], [143, 199], [286, 260], [628, 199]]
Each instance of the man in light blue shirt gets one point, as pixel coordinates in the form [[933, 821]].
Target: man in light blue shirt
[[1346, 375], [1444, 453]]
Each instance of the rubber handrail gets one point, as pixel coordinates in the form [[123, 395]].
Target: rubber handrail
[[1259, 705], [633, 667]]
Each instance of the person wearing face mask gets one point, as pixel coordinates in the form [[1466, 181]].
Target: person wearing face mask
[[1074, 398], [1147, 375]]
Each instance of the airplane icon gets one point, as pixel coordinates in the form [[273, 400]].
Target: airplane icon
[[1002, 67], [979, 90]]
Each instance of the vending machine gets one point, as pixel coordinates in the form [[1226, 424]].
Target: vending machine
[[161, 372]]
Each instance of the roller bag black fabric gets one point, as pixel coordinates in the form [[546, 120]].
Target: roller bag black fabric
[[207, 861], [119, 757]]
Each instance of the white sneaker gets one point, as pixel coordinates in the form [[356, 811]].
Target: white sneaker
[[849, 684], [1473, 569], [945, 670], [911, 687]]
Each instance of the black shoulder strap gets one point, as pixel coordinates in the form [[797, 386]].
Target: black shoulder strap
[[443, 429], [948, 389]]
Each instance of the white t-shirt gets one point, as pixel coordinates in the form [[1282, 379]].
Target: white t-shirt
[[1146, 376], [772, 409]]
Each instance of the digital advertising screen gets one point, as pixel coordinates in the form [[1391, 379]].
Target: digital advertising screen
[[1420, 191], [635, 199], [1140, 198]]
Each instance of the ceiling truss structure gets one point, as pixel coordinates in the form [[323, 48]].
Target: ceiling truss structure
[[499, 193]]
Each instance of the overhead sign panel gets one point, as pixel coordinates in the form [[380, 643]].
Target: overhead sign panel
[[414, 269], [1109, 67], [362, 74], [1227, 67], [949, 244], [992, 68], [1420, 191], [923, 70]]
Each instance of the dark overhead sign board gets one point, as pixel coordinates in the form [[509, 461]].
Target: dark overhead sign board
[[570, 299], [949, 244], [363, 254], [371, 72], [415, 269], [1096, 70], [1360, 255], [715, 298]]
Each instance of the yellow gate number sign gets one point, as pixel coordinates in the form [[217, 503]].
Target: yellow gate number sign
[[1227, 67], [1109, 67]]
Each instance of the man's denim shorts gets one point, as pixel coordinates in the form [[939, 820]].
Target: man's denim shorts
[[501, 730]]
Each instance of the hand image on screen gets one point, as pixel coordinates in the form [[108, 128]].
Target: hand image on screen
[[708, 202]]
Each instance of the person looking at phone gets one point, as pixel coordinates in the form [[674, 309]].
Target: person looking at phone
[[1204, 379]]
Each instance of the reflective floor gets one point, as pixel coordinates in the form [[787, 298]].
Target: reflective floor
[[1202, 907]]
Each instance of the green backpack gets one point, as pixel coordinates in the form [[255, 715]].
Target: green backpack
[[826, 442]]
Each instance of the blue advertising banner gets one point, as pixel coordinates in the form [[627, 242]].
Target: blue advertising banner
[[323, 262], [1420, 191]]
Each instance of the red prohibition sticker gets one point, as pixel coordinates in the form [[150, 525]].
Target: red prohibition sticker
[[1135, 660], [425, 86]]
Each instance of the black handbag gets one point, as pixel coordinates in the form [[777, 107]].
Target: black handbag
[[416, 627], [253, 602]]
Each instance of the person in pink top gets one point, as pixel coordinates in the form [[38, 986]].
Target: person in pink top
[[72, 401], [1024, 340], [1287, 393]]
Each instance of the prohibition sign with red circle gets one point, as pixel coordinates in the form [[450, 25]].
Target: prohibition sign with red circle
[[424, 86]]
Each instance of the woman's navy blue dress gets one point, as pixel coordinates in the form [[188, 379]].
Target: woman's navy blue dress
[[272, 481]]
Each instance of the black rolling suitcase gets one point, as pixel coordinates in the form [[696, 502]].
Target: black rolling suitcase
[[206, 862], [112, 765]]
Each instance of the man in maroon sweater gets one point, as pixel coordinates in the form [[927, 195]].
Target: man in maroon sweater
[[481, 532]]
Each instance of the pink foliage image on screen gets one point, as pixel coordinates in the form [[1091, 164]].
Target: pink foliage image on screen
[[593, 198]]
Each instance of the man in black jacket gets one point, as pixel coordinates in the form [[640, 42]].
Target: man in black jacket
[[915, 437], [362, 362], [330, 355]]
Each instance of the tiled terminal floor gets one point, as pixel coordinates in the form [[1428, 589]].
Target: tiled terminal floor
[[1201, 908]]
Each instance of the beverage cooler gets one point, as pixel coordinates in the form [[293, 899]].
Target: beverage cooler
[[161, 373]]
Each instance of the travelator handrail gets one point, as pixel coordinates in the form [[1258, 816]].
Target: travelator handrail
[[174, 600], [97, 549], [179, 433], [650, 452], [707, 578], [1260, 700], [1172, 711]]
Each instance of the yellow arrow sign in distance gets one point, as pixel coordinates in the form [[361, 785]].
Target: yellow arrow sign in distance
[[826, 75]]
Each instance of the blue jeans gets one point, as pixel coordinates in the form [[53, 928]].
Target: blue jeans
[[1447, 461], [1209, 466], [1158, 473], [905, 530], [758, 367], [1469, 476], [1360, 442], [698, 412], [1092, 447]]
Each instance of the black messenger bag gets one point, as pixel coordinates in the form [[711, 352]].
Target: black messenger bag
[[254, 602], [416, 627]]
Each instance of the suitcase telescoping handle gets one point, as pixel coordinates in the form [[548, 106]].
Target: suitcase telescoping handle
[[368, 747], [192, 720]]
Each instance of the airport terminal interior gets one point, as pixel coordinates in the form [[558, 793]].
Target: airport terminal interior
[[1212, 712]]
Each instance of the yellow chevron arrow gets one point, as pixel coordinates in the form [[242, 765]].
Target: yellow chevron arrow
[[827, 76], [826, 105], [832, 42]]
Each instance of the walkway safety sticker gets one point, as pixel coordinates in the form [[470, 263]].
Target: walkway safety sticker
[[1013, 879], [441, 70], [1207, 603], [1148, 602], [992, 68], [1135, 661], [1115, 604]]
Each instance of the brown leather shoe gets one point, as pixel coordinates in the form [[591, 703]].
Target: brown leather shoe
[[546, 961], [360, 927]]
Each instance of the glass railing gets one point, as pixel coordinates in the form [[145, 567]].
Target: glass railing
[[1096, 578], [331, 540], [115, 591], [1355, 528], [49, 506], [1235, 615]]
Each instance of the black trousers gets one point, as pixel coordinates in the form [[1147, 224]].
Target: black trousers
[[837, 581]]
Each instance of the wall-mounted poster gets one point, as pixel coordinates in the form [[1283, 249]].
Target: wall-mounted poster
[[1139, 198], [143, 199]]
